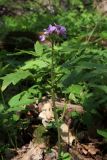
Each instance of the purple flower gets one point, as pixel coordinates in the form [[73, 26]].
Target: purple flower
[[53, 30], [42, 38], [61, 30]]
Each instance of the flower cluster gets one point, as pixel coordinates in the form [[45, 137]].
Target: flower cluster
[[53, 30]]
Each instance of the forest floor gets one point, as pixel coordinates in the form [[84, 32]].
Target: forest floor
[[43, 143]]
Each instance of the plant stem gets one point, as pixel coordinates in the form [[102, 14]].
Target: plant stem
[[2, 97], [53, 77], [53, 98]]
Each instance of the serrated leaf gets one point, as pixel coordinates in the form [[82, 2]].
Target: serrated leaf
[[41, 64], [14, 78], [38, 48], [29, 64], [35, 64], [102, 133]]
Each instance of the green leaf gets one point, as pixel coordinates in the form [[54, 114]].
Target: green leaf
[[15, 109], [41, 64], [21, 52], [103, 34], [76, 89], [21, 99], [72, 97], [14, 78], [15, 117], [35, 64], [38, 48], [65, 156], [74, 114], [103, 133]]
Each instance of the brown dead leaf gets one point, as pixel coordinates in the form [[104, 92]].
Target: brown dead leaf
[[34, 152], [47, 157], [84, 146], [98, 157], [91, 149], [84, 151], [78, 156]]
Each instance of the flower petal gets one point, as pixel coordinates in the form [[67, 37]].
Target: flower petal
[[42, 38]]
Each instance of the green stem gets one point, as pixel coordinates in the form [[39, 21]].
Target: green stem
[[53, 77], [53, 98], [2, 97]]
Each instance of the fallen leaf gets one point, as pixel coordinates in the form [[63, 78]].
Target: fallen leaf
[[91, 149]]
